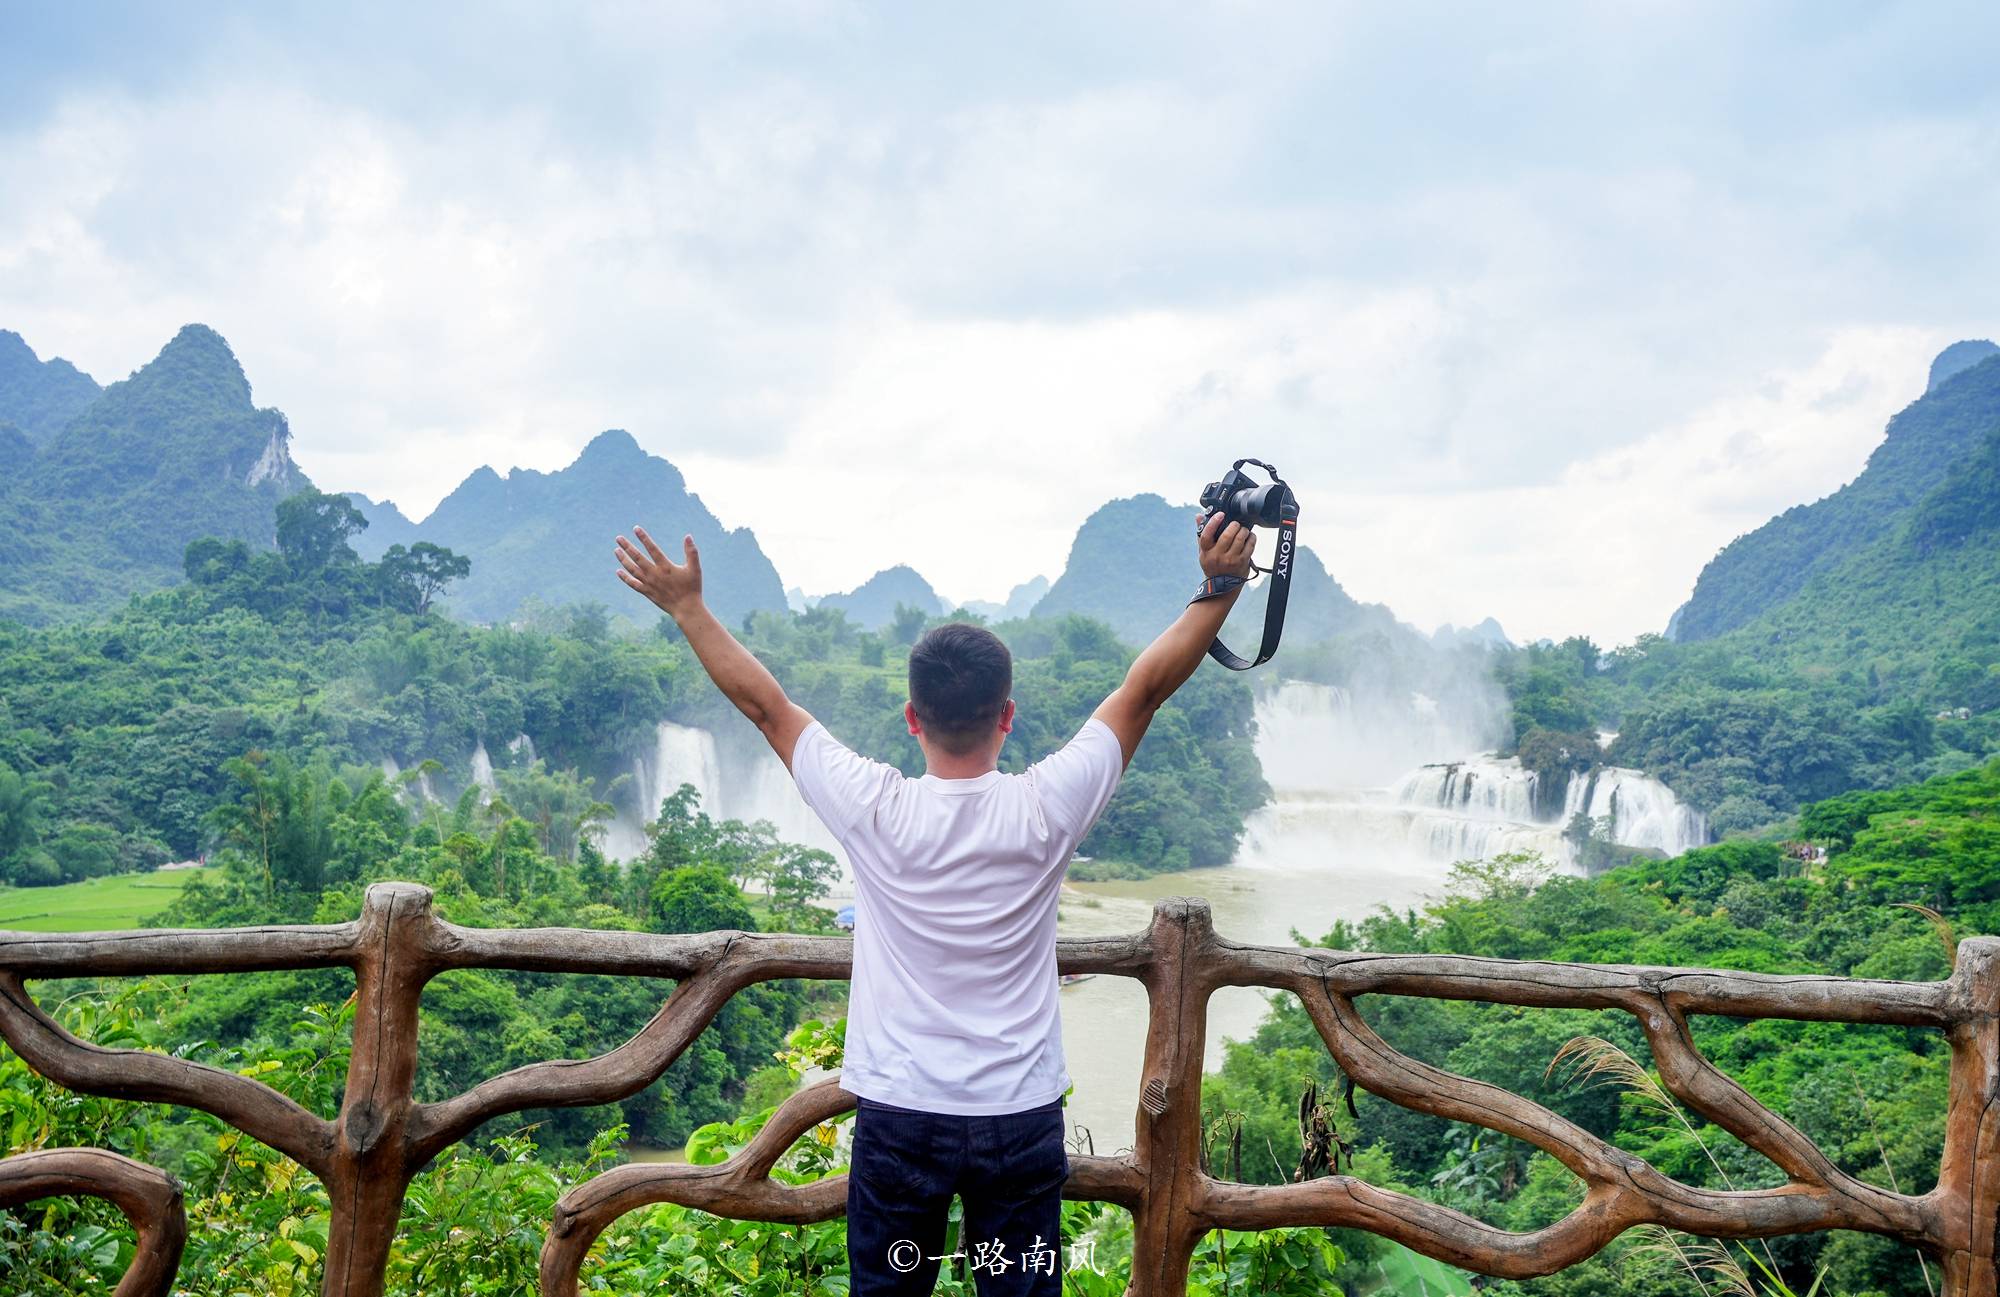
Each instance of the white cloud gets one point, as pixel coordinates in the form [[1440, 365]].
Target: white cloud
[[1537, 314]]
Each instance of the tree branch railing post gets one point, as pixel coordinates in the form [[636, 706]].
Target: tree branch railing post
[[367, 1155]]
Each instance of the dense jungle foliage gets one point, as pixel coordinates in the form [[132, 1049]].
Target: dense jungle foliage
[[116, 735]]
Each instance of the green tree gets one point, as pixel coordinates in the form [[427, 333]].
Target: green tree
[[799, 877], [313, 527], [699, 898], [411, 579]]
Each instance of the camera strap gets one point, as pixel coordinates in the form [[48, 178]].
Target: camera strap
[[1280, 573]]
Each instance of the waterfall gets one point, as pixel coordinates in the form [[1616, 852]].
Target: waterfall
[[482, 767], [756, 786], [393, 770], [522, 748], [1643, 811], [1344, 789], [1312, 737], [738, 777], [681, 754], [1487, 788]]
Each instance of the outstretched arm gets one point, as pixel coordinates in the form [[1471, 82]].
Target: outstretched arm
[[1171, 659], [675, 588]]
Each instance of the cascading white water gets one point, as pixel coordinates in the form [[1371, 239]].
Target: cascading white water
[[522, 748], [1643, 811], [681, 754], [394, 770], [1313, 737], [756, 786], [1486, 788], [1323, 752], [482, 767], [738, 778]]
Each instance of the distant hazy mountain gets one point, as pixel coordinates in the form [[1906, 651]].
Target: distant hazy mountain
[[873, 603], [549, 535], [104, 507], [798, 600], [386, 526], [1021, 601], [39, 396], [1941, 429], [1487, 634], [1958, 357], [1132, 565]]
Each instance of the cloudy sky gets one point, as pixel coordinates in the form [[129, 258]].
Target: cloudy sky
[[1537, 305]]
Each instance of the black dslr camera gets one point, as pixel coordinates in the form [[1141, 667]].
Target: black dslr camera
[[1242, 500], [1271, 504]]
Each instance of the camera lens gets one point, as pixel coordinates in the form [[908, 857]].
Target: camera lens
[[1258, 506]]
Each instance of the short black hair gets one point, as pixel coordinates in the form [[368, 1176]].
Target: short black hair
[[960, 677]]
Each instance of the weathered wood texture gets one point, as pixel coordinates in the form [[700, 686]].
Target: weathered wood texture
[[369, 1151], [149, 1197]]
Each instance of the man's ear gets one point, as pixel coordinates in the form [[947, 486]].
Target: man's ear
[[1007, 717], [910, 715]]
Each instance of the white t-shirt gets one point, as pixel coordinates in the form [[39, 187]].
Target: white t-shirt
[[952, 1005]]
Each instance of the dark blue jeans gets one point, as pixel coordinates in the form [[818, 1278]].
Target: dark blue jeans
[[1009, 1170]]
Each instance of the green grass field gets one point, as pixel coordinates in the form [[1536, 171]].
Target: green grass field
[[96, 905]]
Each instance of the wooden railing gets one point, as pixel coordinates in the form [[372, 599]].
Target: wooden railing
[[368, 1152]]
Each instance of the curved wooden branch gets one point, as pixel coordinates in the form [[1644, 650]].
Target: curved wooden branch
[[607, 1078], [679, 955], [1470, 1243], [149, 1197], [1381, 1069], [740, 1188], [252, 1107], [1708, 1090], [1622, 1190]]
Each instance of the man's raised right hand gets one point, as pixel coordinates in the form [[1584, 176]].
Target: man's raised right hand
[[1226, 547], [675, 588]]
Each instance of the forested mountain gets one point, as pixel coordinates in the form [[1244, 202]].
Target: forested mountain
[[873, 604], [106, 505], [39, 396], [548, 536], [1760, 570], [1864, 641], [1918, 611], [1959, 356]]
